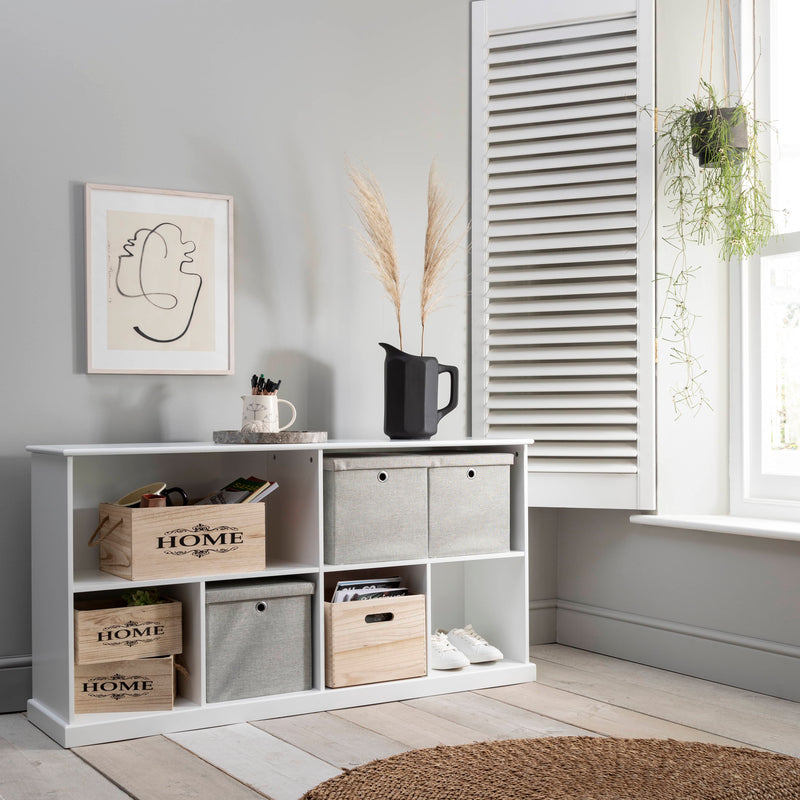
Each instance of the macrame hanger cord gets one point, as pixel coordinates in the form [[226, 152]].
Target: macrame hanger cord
[[724, 51], [733, 47], [711, 52], [703, 50]]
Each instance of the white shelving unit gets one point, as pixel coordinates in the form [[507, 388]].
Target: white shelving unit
[[69, 481]]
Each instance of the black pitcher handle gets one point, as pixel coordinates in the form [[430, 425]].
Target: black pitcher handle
[[453, 389]]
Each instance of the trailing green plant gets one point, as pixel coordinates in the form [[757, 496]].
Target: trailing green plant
[[724, 202], [142, 597]]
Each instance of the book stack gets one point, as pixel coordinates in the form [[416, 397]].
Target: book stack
[[242, 490], [367, 589]]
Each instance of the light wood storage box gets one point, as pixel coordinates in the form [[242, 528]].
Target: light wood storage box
[[375, 508], [140, 684], [153, 543], [367, 641], [106, 629], [469, 504]]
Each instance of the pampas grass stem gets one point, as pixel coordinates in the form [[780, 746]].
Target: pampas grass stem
[[440, 246], [377, 241]]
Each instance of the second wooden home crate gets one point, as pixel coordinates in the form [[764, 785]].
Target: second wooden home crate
[[155, 543], [367, 641], [141, 684], [106, 629]]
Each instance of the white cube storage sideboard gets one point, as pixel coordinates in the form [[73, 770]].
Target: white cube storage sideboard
[[68, 482]]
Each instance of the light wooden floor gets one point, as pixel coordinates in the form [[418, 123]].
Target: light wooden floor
[[577, 693]]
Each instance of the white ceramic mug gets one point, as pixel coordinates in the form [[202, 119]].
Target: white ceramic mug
[[260, 413]]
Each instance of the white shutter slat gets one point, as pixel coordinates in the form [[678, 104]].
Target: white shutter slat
[[606, 433], [498, 276], [537, 63], [528, 180], [555, 242], [567, 320], [551, 81], [622, 465], [554, 161], [561, 353], [512, 387], [557, 369], [561, 224], [556, 210], [504, 261], [563, 289], [565, 129], [500, 339], [583, 450], [595, 400], [577, 96], [570, 416], [581, 303], [558, 170], [602, 108], [593, 30], [506, 60], [567, 144]]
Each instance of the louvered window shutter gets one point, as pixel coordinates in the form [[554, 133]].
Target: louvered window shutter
[[562, 252]]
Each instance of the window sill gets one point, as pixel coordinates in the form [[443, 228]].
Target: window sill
[[741, 526]]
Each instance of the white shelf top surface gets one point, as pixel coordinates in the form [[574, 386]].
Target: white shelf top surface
[[163, 448]]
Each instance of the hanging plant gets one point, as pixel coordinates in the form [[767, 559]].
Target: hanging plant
[[712, 166]]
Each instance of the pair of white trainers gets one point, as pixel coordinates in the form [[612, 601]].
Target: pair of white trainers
[[460, 647]]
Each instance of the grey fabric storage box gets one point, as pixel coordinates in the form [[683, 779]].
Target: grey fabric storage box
[[469, 504], [375, 508], [258, 638]]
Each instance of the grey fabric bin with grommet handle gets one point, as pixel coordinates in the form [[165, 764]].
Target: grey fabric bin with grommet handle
[[375, 508], [469, 504], [258, 638]]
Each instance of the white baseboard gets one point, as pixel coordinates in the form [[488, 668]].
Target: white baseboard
[[749, 663], [15, 686], [542, 621]]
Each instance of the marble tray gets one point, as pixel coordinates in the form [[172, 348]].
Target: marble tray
[[282, 437]]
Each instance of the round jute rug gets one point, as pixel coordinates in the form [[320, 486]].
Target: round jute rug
[[571, 768]]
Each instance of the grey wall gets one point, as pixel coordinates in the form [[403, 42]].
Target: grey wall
[[258, 100]]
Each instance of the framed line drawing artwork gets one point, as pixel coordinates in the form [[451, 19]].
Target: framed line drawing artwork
[[159, 281]]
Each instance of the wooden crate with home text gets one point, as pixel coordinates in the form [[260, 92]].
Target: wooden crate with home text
[[158, 543], [106, 629], [140, 684]]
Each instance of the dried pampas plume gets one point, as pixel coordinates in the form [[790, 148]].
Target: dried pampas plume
[[378, 243], [440, 247]]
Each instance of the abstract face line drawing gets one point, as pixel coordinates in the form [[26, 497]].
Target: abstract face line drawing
[[151, 269]]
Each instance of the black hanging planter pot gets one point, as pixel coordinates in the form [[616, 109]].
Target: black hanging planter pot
[[718, 134], [411, 390]]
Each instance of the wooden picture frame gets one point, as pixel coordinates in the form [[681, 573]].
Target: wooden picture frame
[[159, 281]]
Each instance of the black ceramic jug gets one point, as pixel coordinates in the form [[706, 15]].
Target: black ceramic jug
[[411, 390]]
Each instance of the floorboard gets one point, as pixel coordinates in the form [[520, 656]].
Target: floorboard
[[155, 768], [577, 694], [257, 759], [338, 741], [411, 726], [493, 718]]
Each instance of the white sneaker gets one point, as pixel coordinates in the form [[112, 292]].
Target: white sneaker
[[473, 646], [444, 655]]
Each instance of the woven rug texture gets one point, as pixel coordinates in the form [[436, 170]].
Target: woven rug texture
[[571, 768]]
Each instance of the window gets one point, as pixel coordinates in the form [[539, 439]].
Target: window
[[765, 312]]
